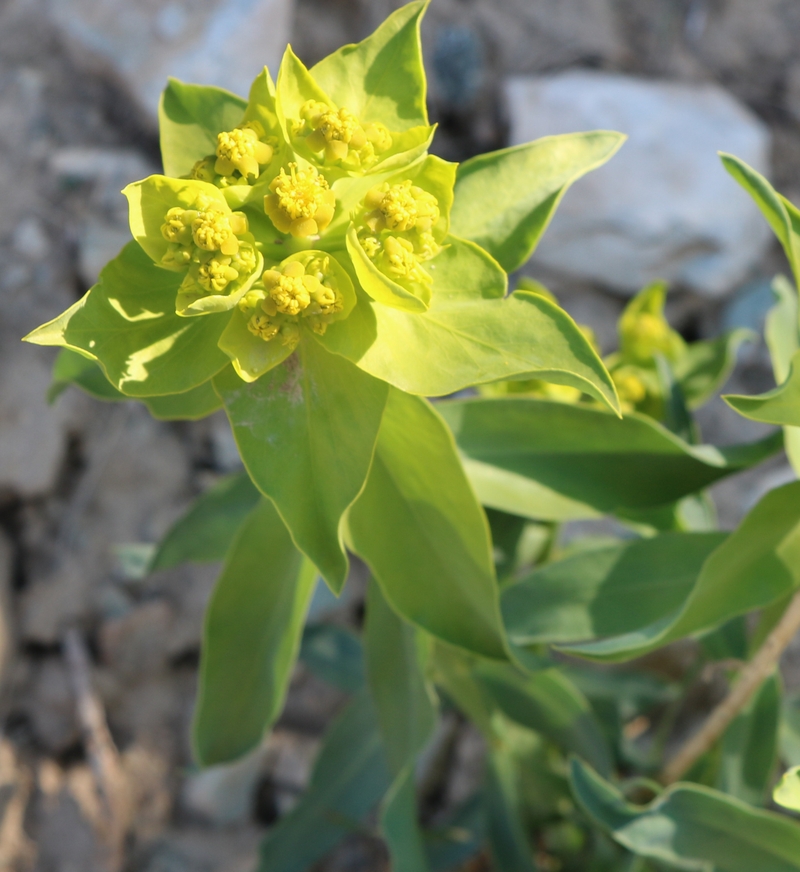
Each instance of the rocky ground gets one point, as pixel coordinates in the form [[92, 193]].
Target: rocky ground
[[79, 479]]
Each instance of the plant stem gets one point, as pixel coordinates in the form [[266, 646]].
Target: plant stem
[[750, 679]]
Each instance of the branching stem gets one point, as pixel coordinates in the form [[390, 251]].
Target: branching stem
[[750, 679]]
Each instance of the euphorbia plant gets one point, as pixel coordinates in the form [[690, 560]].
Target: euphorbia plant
[[305, 263]]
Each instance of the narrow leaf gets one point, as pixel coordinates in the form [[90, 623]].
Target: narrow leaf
[[691, 827], [251, 637], [781, 405], [205, 533], [419, 527], [349, 777]]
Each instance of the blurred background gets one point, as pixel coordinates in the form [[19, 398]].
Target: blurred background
[[84, 487]]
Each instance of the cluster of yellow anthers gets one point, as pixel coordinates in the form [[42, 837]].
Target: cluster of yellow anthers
[[338, 136], [301, 203], [295, 290], [205, 240], [397, 229], [244, 150]]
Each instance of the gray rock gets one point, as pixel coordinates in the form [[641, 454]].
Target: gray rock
[[664, 207], [33, 442], [213, 42]]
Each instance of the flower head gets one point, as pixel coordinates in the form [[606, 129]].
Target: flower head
[[301, 202], [337, 136], [240, 150]]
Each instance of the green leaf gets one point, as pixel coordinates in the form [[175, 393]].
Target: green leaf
[[459, 343], [306, 432], [505, 199], [189, 119], [787, 792], [72, 368], [548, 703], [400, 827], [781, 405], [251, 637], [782, 334], [381, 78], [756, 565], [606, 591], [402, 697], [127, 321], [555, 457], [691, 827], [781, 215], [750, 746], [505, 832], [419, 527], [334, 655], [704, 366], [349, 777], [205, 533]]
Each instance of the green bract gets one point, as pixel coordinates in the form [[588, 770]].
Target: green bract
[[303, 237]]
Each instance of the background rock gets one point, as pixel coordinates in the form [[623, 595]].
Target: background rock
[[211, 42], [664, 207]]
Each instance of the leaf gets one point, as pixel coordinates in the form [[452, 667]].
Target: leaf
[[756, 565], [420, 529], [334, 655], [704, 366], [127, 321], [399, 825], [691, 827], [403, 700], [505, 199], [781, 405], [72, 368], [250, 638], [459, 343], [606, 591], [189, 119], [781, 215], [555, 457], [381, 78], [204, 534], [505, 833], [787, 792], [548, 703], [349, 777], [306, 432], [750, 746]]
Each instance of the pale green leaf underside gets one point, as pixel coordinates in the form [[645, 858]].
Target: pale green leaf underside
[[505, 199]]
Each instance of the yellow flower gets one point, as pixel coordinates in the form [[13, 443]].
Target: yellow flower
[[338, 136], [301, 202], [241, 149]]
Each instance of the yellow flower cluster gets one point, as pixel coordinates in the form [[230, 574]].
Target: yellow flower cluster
[[397, 229], [298, 289], [339, 138], [300, 202], [206, 240], [240, 156]]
